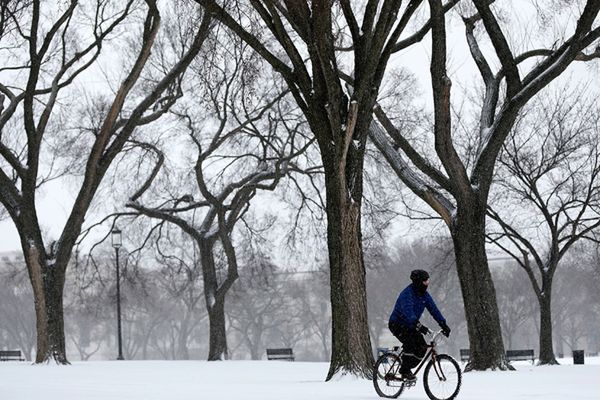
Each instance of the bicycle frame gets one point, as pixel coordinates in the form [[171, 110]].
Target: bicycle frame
[[431, 352]]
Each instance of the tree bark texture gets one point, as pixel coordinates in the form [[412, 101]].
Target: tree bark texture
[[351, 345], [218, 338], [47, 282], [546, 341], [215, 303], [479, 294]]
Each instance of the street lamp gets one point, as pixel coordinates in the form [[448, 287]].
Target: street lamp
[[116, 243]]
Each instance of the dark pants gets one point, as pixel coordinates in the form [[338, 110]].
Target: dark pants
[[413, 345]]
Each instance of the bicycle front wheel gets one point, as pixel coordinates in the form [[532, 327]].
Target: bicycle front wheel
[[442, 378], [386, 376]]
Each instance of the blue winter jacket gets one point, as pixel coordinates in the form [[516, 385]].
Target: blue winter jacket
[[410, 306]]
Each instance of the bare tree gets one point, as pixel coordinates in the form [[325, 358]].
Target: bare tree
[[50, 54], [248, 160], [456, 188], [307, 43], [558, 186]]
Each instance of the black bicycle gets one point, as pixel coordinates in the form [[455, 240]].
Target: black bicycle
[[442, 376]]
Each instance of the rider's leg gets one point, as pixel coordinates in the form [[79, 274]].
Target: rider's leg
[[396, 330], [413, 347], [414, 350]]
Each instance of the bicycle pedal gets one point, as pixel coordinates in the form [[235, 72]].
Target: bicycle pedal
[[411, 383]]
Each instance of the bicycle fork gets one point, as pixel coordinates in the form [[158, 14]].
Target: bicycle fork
[[437, 368]]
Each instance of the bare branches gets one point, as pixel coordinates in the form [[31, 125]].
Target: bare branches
[[159, 163], [518, 93], [420, 33], [559, 180], [36, 131], [222, 15], [58, 56], [10, 12], [351, 20], [501, 46], [441, 98], [420, 162], [491, 82], [434, 198]]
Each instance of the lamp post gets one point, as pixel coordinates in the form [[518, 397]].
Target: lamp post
[[116, 243]]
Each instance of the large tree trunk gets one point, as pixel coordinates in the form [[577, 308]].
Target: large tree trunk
[[351, 345], [218, 339], [54, 282], [546, 350], [479, 294], [47, 282], [215, 305]]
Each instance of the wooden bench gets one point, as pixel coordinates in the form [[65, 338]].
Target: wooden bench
[[511, 355], [11, 355], [280, 354], [517, 355]]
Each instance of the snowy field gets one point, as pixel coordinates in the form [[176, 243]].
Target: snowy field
[[262, 380]]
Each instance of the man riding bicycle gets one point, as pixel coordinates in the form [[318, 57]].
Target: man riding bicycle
[[405, 325]]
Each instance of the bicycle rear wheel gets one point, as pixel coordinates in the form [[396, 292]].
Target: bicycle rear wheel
[[442, 378], [386, 376]]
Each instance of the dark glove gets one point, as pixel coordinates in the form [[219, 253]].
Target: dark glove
[[423, 329], [445, 329]]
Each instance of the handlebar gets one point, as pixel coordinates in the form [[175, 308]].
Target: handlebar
[[435, 335]]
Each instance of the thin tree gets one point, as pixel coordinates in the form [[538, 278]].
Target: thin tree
[[458, 189], [550, 167], [52, 54], [307, 43], [249, 160]]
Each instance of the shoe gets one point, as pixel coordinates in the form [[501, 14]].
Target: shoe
[[408, 376]]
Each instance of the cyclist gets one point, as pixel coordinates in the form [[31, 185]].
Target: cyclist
[[405, 325]]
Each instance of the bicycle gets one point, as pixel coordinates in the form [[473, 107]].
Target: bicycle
[[442, 376]]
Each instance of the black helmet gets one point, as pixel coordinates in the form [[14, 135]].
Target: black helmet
[[419, 275]]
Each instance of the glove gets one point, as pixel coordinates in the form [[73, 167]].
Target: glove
[[423, 329], [445, 329]]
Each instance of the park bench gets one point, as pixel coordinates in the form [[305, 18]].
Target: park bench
[[511, 355], [11, 355], [517, 355], [280, 354]]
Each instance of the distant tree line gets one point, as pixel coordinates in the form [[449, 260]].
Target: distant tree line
[[163, 315]]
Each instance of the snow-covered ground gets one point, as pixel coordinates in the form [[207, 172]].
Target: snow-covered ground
[[262, 380]]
